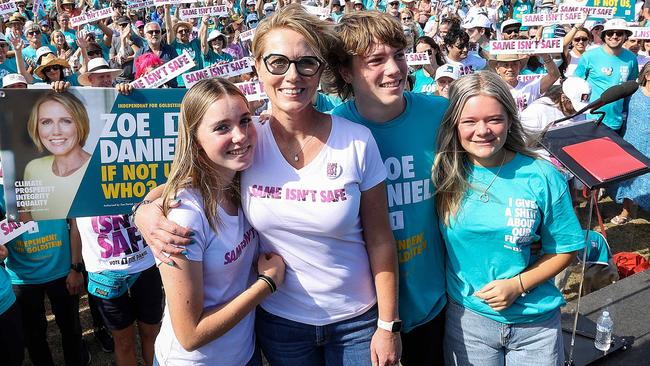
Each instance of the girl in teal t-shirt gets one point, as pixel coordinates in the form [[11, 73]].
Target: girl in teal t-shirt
[[495, 199]]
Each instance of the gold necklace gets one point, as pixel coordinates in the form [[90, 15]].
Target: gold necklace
[[295, 156], [484, 197]]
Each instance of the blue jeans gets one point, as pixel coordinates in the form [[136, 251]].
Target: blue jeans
[[472, 339], [256, 359], [288, 343]]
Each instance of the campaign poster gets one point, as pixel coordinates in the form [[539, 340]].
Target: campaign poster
[[86, 151], [622, 8]]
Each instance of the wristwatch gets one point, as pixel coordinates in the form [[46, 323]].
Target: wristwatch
[[395, 326], [77, 267]]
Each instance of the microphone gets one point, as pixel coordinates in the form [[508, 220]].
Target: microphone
[[610, 95]]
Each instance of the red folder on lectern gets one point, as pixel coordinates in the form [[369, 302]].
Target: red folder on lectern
[[603, 158]]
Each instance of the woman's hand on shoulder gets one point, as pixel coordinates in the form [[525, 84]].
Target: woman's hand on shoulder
[[272, 265], [500, 294], [162, 235]]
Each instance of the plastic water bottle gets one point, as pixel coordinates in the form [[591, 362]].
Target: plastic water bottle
[[604, 327]]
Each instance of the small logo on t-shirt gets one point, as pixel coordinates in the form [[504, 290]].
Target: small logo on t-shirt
[[607, 71], [334, 170]]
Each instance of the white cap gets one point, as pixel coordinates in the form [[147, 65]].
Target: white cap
[[11, 79], [477, 20], [510, 22], [250, 2], [616, 24], [447, 70], [41, 51], [578, 91], [358, 2], [214, 34], [269, 6], [591, 24]]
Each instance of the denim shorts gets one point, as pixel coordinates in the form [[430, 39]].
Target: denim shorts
[[472, 339], [288, 343]]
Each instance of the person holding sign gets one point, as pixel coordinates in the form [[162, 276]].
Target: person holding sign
[[212, 48], [495, 199], [179, 37], [324, 176], [59, 124]]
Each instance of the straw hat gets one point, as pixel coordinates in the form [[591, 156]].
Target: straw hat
[[16, 18], [505, 58], [187, 25], [49, 60], [97, 66]]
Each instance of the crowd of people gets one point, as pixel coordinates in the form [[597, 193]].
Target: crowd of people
[[367, 212]]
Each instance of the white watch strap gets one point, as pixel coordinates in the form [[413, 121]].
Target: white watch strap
[[385, 325]]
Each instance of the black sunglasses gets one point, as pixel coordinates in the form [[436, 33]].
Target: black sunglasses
[[305, 65], [611, 33], [407, 18], [33, 32], [4, 45], [152, 32], [95, 53], [183, 31], [51, 68], [581, 39], [511, 31]]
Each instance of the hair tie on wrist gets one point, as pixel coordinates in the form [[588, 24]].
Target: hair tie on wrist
[[269, 281]]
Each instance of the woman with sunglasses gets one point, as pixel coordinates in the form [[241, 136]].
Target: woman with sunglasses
[[316, 196], [458, 55], [52, 70]]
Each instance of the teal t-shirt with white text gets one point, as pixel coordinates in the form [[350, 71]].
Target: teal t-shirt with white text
[[407, 145], [487, 240]]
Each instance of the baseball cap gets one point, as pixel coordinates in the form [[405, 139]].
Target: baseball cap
[[250, 2], [269, 6], [477, 21], [447, 70], [578, 91], [139, 24], [123, 20]]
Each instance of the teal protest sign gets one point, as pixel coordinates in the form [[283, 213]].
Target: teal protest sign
[[85, 152]]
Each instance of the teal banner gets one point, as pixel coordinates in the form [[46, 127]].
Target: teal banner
[[85, 152]]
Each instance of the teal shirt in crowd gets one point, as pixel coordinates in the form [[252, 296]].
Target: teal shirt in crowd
[[528, 202], [423, 83], [212, 58], [325, 103], [519, 8], [602, 71], [194, 49], [41, 256], [407, 145], [7, 67], [7, 297]]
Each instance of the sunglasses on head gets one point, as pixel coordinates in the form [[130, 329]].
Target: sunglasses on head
[[51, 68], [305, 65], [153, 32], [581, 39]]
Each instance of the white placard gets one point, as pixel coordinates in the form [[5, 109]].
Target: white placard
[[172, 2], [164, 73], [8, 8], [11, 230], [253, 90], [573, 17], [526, 46], [591, 11], [137, 5], [317, 10], [212, 11], [228, 70], [91, 16], [640, 33], [248, 35], [421, 58]]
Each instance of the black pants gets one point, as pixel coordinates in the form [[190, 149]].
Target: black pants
[[12, 342], [422, 346], [98, 321], [65, 307]]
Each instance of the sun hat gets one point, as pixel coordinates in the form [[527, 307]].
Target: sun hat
[[97, 66], [187, 25], [214, 34], [48, 60], [477, 21], [447, 70], [510, 22], [13, 79], [578, 91], [42, 51], [505, 58], [615, 24]]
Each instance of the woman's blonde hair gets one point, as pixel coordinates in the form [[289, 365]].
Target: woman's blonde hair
[[644, 74], [451, 166], [65, 45], [319, 34], [72, 104], [191, 167], [359, 33]]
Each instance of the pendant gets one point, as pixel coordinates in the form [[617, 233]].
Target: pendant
[[295, 157], [484, 197]]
